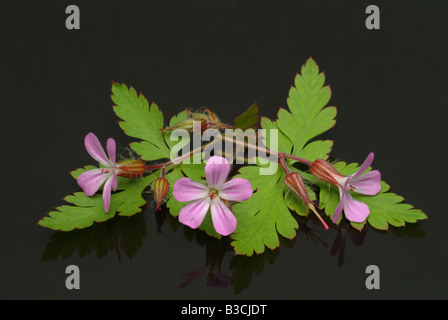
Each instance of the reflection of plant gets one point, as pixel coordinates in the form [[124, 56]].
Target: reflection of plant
[[357, 237], [126, 234], [214, 252], [117, 234], [270, 214], [339, 243]]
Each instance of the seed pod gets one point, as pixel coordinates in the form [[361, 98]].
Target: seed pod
[[325, 171], [132, 168], [161, 188], [294, 182]]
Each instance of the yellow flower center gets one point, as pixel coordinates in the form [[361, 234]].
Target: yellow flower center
[[213, 193]]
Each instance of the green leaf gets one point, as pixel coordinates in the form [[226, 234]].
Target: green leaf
[[307, 116], [83, 211], [263, 216], [140, 121], [386, 208], [181, 116], [248, 119], [267, 214], [100, 238], [244, 268]]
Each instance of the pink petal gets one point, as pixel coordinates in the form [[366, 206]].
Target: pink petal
[[237, 189], [90, 181], [107, 193], [216, 171], [96, 151], [369, 183], [366, 164], [338, 210], [223, 219], [186, 189], [193, 213], [114, 179], [111, 150], [355, 210]]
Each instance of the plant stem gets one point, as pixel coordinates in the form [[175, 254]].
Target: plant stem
[[279, 154], [308, 162], [163, 166], [283, 164]]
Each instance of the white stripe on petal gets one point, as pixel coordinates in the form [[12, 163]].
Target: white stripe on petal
[[90, 181], [107, 190], [355, 210], [369, 183], [186, 189], [96, 151], [216, 171], [193, 213], [366, 164], [237, 189], [223, 219]]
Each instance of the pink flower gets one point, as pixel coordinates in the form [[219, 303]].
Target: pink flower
[[91, 180], [365, 183], [213, 196]]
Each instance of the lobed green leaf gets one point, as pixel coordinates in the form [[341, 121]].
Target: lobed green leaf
[[140, 121], [83, 211]]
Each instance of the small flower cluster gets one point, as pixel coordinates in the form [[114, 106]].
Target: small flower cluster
[[91, 181], [368, 183], [365, 183], [218, 193]]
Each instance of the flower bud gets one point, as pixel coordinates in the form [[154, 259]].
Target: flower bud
[[212, 116], [161, 188], [197, 116], [325, 171], [132, 168], [294, 182]]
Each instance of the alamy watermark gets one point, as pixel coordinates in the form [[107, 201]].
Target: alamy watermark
[[73, 280], [373, 280], [237, 146]]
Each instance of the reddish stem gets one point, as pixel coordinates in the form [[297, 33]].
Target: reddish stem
[[308, 162], [283, 163]]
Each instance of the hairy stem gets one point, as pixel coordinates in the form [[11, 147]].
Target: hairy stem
[[179, 159]]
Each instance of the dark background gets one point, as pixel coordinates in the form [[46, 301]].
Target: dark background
[[389, 86]]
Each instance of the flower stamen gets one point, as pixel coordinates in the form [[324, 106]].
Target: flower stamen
[[213, 193]]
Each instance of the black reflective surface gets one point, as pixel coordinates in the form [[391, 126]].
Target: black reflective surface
[[388, 86]]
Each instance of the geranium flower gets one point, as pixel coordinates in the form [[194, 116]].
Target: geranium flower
[[213, 196], [91, 180], [365, 183]]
